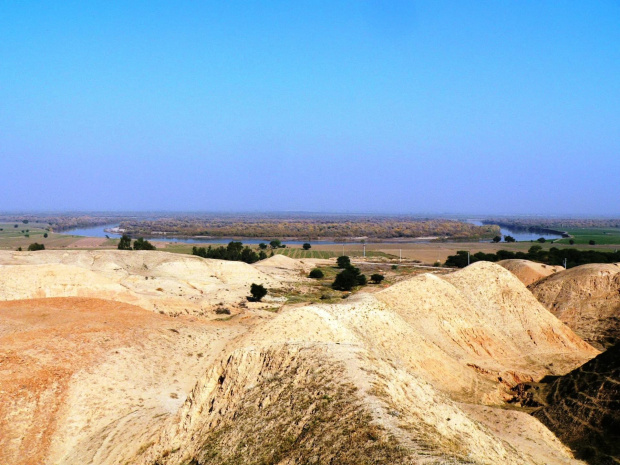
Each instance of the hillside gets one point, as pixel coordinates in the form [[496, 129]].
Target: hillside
[[419, 372], [584, 408], [162, 282], [586, 298]]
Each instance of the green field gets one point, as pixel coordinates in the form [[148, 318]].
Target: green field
[[23, 235], [604, 236]]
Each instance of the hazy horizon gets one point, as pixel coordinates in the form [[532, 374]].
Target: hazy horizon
[[440, 108]]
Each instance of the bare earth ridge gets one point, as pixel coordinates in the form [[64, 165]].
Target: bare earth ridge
[[419, 372]]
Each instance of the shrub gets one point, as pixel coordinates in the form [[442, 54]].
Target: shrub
[[276, 244], [571, 241], [306, 246], [591, 242], [377, 278], [316, 274], [45, 235], [497, 238], [394, 267], [36, 246], [343, 261], [258, 292], [509, 239], [222, 311], [262, 246], [542, 240], [141, 244]]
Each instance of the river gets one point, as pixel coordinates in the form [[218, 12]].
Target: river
[[520, 235]]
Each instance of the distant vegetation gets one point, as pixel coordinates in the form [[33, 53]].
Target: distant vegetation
[[553, 256], [309, 227], [139, 244], [234, 251]]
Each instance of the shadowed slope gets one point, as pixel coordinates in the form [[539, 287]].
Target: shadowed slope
[[584, 408]]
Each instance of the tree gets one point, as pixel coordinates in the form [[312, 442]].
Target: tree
[[571, 241], [258, 292], [306, 246], [141, 244], [377, 278], [276, 244], [35, 246], [348, 279], [345, 280], [262, 255], [262, 246], [316, 274], [124, 243], [343, 261], [25, 221], [509, 239], [497, 239], [542, 240], [592, 242], [45, 235]]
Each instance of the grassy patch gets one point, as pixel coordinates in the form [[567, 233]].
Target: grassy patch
[[604, 236]]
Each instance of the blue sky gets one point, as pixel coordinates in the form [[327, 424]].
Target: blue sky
[[495, 107]]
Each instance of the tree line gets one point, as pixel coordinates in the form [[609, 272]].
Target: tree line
[[536, 253], [234, 251]]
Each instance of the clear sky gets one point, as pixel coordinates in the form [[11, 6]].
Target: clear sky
[[490, 107]]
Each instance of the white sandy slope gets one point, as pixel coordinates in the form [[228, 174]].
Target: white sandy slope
[[425, 356], [158, 281]]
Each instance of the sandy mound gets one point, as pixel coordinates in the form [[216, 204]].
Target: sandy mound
[[87, 378], [285, 269], [486, 318], [158, 281], [527, 271], [416, 373], [586, 298], [390, 368], [282, 261]]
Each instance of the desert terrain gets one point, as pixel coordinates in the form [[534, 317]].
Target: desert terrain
[[149, 357]]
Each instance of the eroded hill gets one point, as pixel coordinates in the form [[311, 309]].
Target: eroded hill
[[420, 372], [586, 298], [528, 271]]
